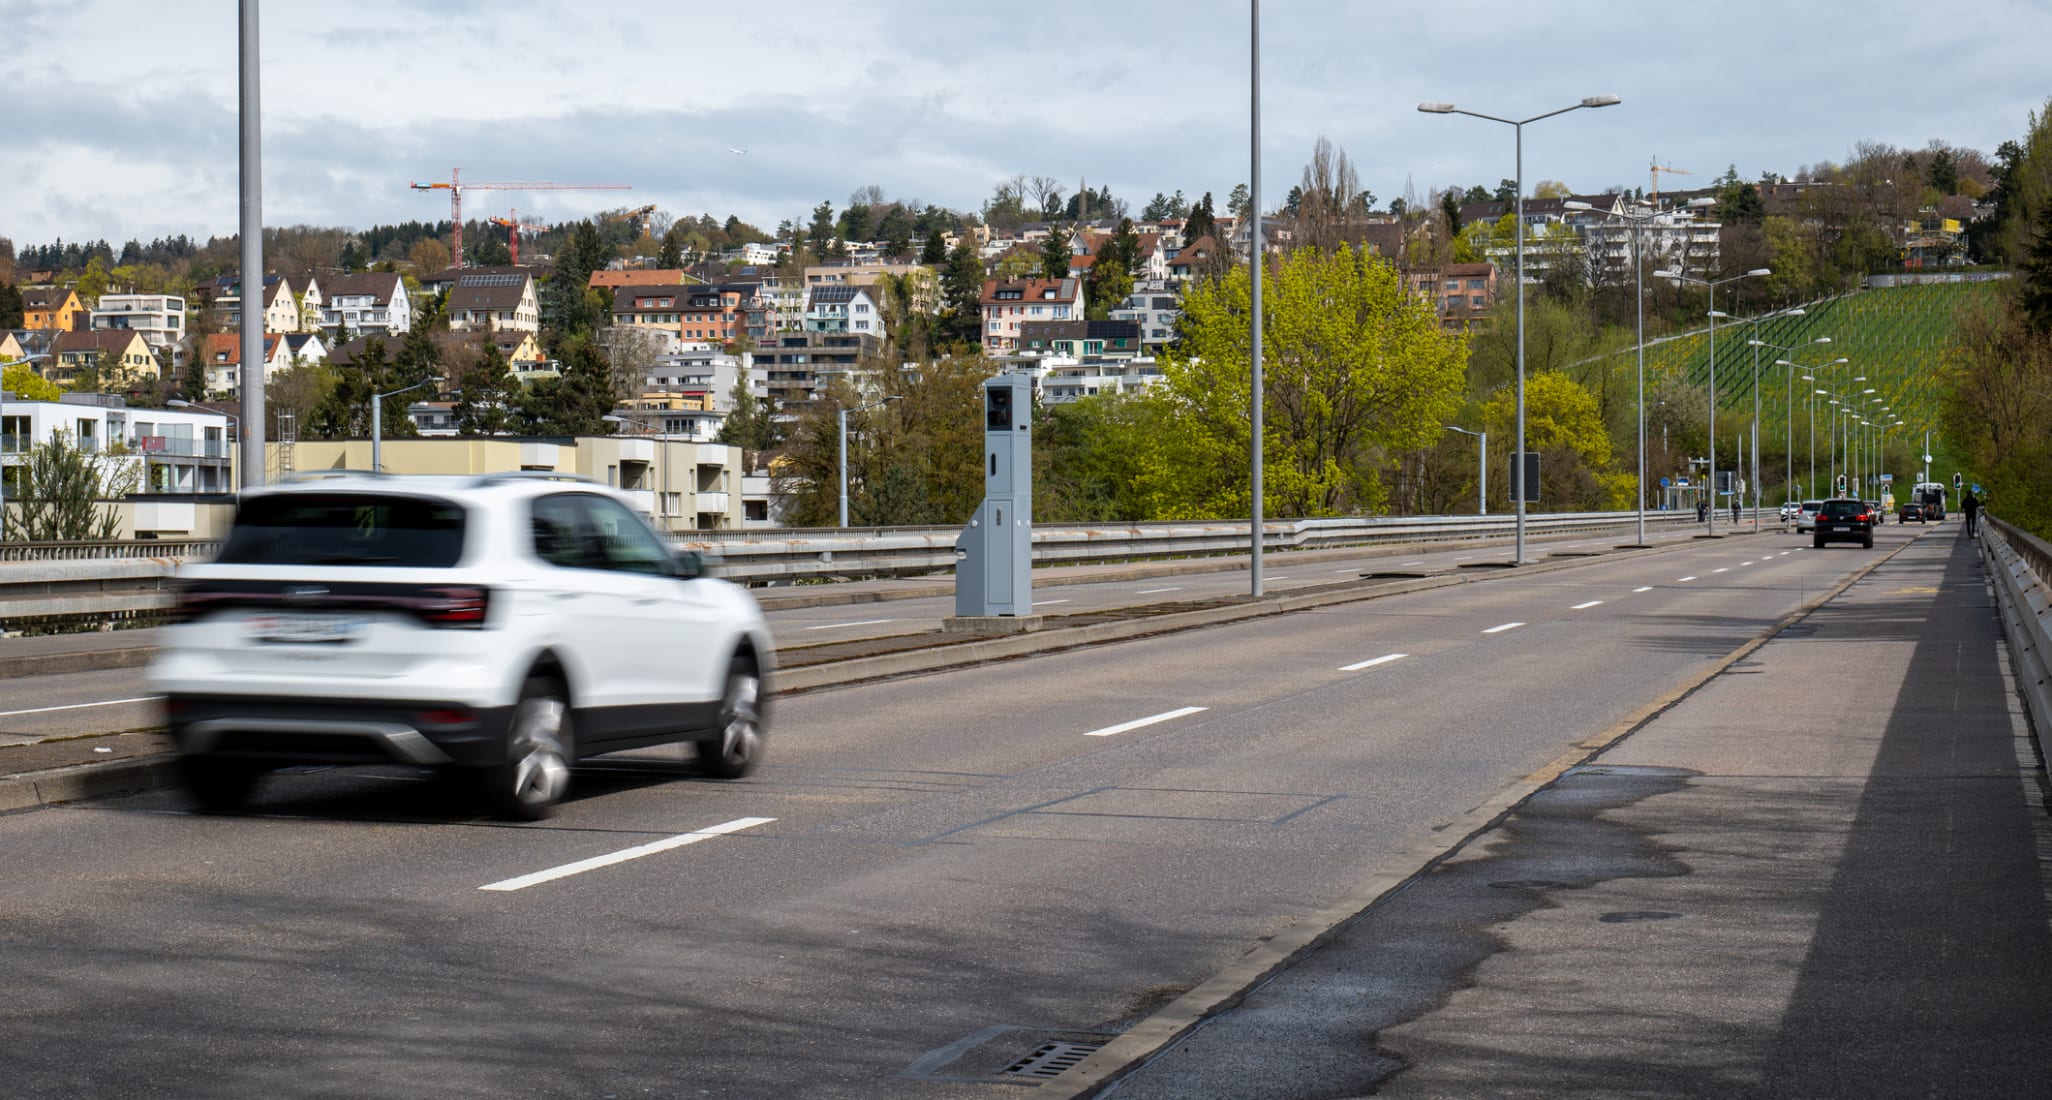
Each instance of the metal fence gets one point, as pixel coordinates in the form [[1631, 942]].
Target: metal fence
[[54, 582]]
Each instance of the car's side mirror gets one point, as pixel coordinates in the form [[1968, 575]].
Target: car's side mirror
[[687, 564]]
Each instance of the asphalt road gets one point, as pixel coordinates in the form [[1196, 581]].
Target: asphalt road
[[930, 878], [112, 700]]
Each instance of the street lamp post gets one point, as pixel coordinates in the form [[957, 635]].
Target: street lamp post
[[1711, 285], [378, 419], [1482, 478], [1756, 344], [1519, 490], [1788, 485], [841, 419]]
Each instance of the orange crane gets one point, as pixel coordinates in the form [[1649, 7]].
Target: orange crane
[[638, 218], [513, 226], [1655, 174], [455, 186]]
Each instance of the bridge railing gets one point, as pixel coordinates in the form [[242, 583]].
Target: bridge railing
[[48, 582], [2022, 565]]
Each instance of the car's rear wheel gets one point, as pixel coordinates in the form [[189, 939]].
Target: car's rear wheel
[[743, 723], [540, 746], [220, 786], [1868, 542]]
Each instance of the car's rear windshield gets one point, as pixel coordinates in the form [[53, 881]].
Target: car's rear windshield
[[1843, 508], [1812, 505], [345, 529]]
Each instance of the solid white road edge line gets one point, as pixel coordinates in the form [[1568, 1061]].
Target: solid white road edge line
[[1152, 591], [625, 854], [1585, 606], [1045, 603], [1136, 723], [76, 706], [861, 622], [1504, 627], [1372, 662]]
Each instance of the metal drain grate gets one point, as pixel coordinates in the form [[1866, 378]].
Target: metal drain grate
[[1050, 1059]]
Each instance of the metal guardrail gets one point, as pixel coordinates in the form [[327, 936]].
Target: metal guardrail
[[55, 581], [2022, 564]]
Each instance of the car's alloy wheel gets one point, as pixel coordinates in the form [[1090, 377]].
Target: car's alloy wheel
[[738, 745], [540, 746]]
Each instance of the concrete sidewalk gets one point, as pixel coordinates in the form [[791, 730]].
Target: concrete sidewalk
[[1821, 874]]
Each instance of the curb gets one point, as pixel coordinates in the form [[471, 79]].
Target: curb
[[88, 660], [32, 789], [1144, 1041]]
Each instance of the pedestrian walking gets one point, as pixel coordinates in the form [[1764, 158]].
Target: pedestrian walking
[[1734, 510], [1971, 505], [1702, 511]]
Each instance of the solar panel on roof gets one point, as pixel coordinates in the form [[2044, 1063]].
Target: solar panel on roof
[[490, 280]]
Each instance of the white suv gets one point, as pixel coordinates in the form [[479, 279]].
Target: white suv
[[508, 625]]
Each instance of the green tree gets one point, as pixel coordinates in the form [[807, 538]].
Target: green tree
[[1995, 403], [751, 425], [1104, 459], [1564, 425], [488, 395], [2034, 274], [935, 252], [344, 409], [856, 223], [932, 435], [192, 384], [21, 380], [92, 282], [671, 256], [575, 403], [1055, 254], [962, 293], [569, 305], [1240, 201], [1202, 222], [1355, 366], [821, 232], [1111, 276], [12, 306], [60, 493]]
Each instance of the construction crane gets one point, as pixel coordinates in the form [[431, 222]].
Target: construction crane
[[513, 226], [638, 218], [1655, 174], [456, 187]]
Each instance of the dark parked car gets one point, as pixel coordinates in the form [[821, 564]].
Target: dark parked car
[[1910, 510], [1842, 520]]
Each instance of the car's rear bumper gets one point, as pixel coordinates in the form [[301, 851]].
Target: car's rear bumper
[[337, 731]]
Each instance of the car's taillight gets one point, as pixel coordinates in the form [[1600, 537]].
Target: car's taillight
[[455, 607], [190, 602]]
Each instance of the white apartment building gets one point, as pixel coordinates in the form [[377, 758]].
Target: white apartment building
[[167, 450], [159, 318], [374, 304]]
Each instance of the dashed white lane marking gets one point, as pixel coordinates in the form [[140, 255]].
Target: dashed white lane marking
[[1648, 588], [1152, 591], [1684, 580], [1745, 563], [1373, 661], [1046, 603], [1464, 557], [858, 622], [76, 706], [1585, 606], [1720, 570], [1504, 627], [1165, 716], [623, 855], [1420, 561]]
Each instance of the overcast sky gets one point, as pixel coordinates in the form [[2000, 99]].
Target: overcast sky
[[119, 116]]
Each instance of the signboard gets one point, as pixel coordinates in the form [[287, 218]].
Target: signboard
[[1664, 483], [1887, 479]]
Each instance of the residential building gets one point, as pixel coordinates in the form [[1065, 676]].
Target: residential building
[[1678, 237], [921, 286], [221, 357], [375, 303], [714, 313], [649, 307], [120, 357], [159, 318], [163, 450], [1082, 340], [1156, 312], [52, 309], [751, 252], [840, 307], [283, 309], [26, 345], [648, 276], [433, 419], [1194, 259], [796, 364], [681, 485], [1007, 305], [445, 280], [491, 301], [1061, 379], [519, 349], [1462, 294]]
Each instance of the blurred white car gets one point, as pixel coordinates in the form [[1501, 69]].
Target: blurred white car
[[1806, 516], [506, 625]]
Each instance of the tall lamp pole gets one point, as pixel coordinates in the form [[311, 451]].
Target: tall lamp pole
[[378, 420], [1788, 484], [1482, 477], [1711, 285], [1809, 485], [1756, 344], [1255, 265], [841, 419], [1519, 490]]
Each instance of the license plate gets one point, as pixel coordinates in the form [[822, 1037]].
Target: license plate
[[306, 629], [1841, 527]]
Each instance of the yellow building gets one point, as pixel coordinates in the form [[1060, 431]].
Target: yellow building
[[681, 486], [52, 309], [122, 357]]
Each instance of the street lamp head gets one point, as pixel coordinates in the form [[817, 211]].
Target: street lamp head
[[1720, 313], [1839, 360], [1576, 205], [1702, 203], [1821, 340], [1436, 108], [1758, 271], [1602, 101], [1798, 312], [1667, 274]]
